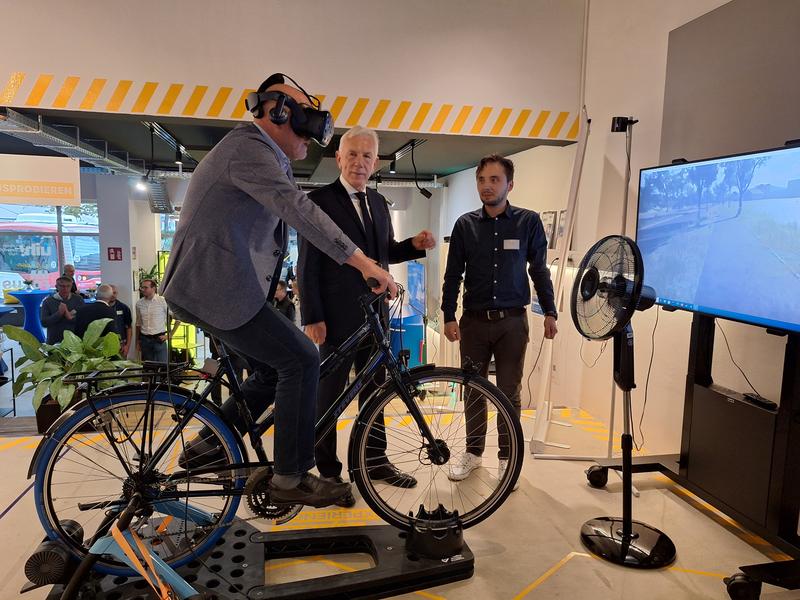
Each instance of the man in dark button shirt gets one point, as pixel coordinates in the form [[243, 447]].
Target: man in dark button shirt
[[495, 244]]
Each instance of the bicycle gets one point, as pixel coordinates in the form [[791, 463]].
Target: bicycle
[[129, 439]]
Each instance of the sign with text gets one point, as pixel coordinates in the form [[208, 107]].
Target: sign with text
[[115, 254], [50, 180]]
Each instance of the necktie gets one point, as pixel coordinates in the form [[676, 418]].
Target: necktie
[[369, 228]]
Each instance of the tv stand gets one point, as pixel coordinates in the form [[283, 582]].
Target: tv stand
[[740, 456]]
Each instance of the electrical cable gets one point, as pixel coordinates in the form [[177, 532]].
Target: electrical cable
[[646, 384], [733, 360], [602, 349]]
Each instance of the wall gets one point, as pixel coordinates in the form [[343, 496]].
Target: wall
[[198, 58]]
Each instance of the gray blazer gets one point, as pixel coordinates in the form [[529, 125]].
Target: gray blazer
[[230, 236]]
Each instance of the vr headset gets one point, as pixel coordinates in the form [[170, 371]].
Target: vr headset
[[305, 121]]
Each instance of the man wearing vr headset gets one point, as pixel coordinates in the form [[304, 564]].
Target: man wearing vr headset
[[232, 238]]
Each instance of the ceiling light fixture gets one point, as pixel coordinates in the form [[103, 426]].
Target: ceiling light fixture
[[393, 166]]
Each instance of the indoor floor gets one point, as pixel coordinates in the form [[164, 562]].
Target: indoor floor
[[530, 548]]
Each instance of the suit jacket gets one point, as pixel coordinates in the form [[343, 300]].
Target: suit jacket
[[231, 236], [91, 311], [330, 292]]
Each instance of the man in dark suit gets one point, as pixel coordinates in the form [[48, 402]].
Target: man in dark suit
[[99, 309], [329, 292]]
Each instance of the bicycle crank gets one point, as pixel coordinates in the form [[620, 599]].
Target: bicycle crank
[[256, 492]]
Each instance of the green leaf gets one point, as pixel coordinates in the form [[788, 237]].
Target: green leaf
[[65, 395], [39, 393], [34, 368], [93, 332], [56, 386], [30, 345], [110, 345], [72, 343], [21, 361], [21, 380]]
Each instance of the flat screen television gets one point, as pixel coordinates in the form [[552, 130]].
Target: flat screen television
[[722, 236]]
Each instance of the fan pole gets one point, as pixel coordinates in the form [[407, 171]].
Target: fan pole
[[624, 541]]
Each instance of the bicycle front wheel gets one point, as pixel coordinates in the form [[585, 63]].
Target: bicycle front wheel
[[92, 464], [465, 413]]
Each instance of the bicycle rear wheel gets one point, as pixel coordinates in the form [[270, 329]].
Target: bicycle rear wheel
[[452, 403], [85, 476]]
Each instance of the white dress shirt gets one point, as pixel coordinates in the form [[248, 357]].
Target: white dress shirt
[[354, 199], [151, 315]]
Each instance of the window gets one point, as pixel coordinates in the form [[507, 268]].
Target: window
[[33, 245]]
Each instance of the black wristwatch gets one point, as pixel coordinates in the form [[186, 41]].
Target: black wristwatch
[[551, 313]]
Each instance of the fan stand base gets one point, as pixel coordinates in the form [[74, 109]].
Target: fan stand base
[[645, 548]]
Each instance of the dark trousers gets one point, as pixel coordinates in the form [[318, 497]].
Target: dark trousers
[[153, 349], [330, 388], [286, 371], [507, 340]]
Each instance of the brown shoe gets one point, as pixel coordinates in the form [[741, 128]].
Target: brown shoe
[[311, 491]]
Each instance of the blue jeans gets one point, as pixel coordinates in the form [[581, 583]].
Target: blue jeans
[[152, 349], [286, 372]]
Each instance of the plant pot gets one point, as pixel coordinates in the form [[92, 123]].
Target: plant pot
[[49, 412]]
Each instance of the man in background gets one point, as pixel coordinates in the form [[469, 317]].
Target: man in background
[[69, 271], [99, 309], [283, 302], [151, 323], [329, 302], [59, 310], [123, 321]]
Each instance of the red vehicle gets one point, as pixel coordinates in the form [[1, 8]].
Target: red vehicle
[[31, 250]]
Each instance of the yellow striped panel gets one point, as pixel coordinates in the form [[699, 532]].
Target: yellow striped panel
[[399, 114], [321, 98], [419, 118], [194, 100], [462, 117], [148, 89], [12, 85], [438, 122], [481, 120], [118, 96], [219, 101], [239, 109], [94, 91], [501, 121], [377, 114], [39, 90], [358, 110], [66, 91], [556, 129], [173, 91], [576, 127], [540, 121], [337, 106], [15, 442]]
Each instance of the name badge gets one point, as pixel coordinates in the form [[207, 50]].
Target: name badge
[[119, 312], [510, 244]]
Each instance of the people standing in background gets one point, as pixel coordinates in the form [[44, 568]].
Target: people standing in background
[[59, 310], [69, 271], [151, 323], [99, 309], [494, 245], [123, 321], [283, 302]]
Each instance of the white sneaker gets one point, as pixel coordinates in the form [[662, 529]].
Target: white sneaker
[[501, 471], [465, 464]]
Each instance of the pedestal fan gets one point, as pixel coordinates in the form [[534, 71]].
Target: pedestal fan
[[607, 290]]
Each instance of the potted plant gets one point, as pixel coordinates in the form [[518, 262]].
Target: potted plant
[[44, 366], [28, 284]]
